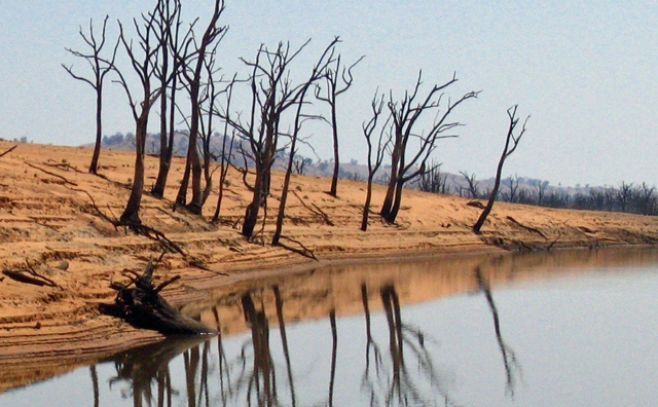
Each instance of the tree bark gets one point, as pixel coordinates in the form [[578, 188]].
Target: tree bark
[[131, 212], [494, 191], [334, 178], [390, 191], [284, 193], [163, 169], [251, 213], [366, 205], [93, 168], [395, 208], [492, 197]]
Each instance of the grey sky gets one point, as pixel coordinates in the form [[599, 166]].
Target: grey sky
[[586, 71]]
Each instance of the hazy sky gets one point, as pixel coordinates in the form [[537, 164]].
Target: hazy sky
[[586, 71]]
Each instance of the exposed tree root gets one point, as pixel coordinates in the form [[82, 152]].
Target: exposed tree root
[[314, 209], [528, 228], [139, 302], [52, 174], [152, 234], [138, 228]]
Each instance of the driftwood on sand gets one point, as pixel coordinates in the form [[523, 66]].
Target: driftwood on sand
[[139, 302]]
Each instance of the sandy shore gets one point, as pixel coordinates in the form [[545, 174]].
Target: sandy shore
[[46, 219]]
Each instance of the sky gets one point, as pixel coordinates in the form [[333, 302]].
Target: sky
[[586, 72]]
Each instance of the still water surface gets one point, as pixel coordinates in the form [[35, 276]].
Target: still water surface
[[565, 329]]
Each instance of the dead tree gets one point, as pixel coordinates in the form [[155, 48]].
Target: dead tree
[[100, 68], [471, 183], [145, 65], [646, 199], [337, 83], [192, 61], [541, 192], [206, 128], [511, 143], [169, 24], [224, 158], [368, 128], [513, 186], [139, 302], [406, 164], [272, 95], [624, 194], [299, 166], [433, 180], [316, 74]]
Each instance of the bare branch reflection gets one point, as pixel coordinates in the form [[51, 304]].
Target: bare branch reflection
[[284, 340], [147, 366], [512, 366]]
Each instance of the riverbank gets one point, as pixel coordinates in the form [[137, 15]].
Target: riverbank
[[48, 221]]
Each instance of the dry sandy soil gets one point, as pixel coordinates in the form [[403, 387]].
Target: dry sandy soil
[[47, 220]]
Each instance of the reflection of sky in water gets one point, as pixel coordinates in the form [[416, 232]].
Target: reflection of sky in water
[[579, 342]]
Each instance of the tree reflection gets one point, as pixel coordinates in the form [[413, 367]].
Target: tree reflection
[[334, 350], [284, 340], [262, 378], [94, 383], [402, 373], [148, 366], [225, 389], [406, 347], [512, 366]]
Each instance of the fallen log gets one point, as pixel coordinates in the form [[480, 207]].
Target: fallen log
[[139, 303], [8, 151], [30, 276]]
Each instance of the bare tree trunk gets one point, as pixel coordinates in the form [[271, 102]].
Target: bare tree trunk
[[492, 198], [181, 197], [368, 128], [390, 191], [163, 169], [507, 151], [93, 168], [220, 197], [167, 144], [334, 178], [338, 82], [284, 196], [393, 214], [196, 204], [251, 213], [225, 165], [193, 164], [366, 205], [131, 213]]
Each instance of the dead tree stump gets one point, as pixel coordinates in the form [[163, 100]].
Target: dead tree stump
[[139, 302]]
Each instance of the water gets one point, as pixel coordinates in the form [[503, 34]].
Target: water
[[566, 329]]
